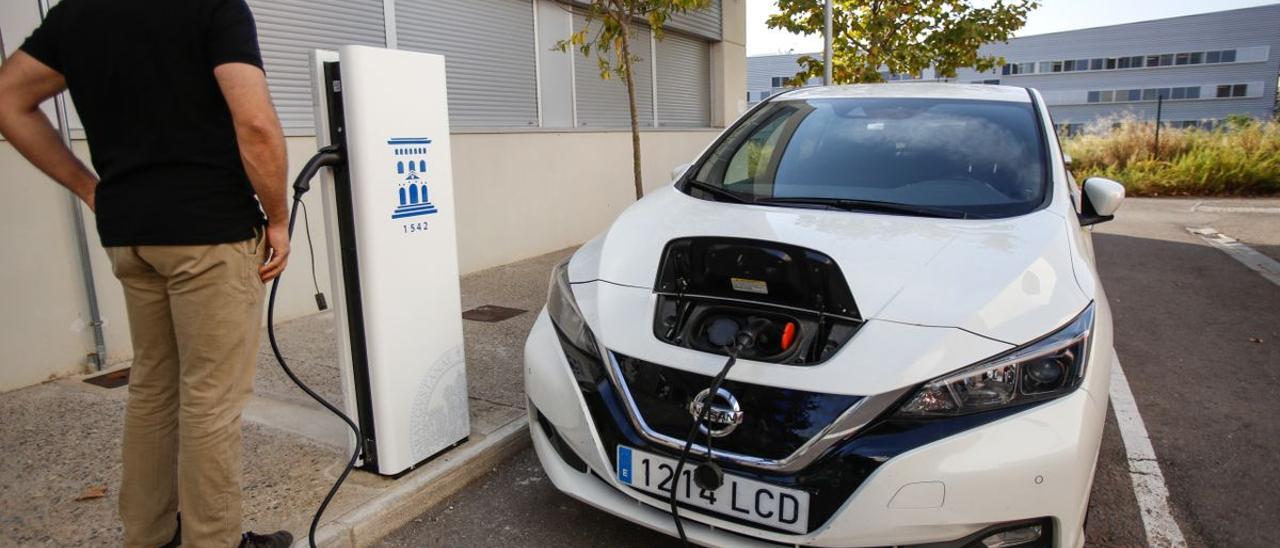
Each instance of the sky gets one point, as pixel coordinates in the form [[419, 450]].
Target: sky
[[1051, 16]]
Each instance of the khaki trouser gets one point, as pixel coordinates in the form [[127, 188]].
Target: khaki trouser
[[195, 313]]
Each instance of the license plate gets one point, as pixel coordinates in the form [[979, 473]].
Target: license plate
[[748, 499]]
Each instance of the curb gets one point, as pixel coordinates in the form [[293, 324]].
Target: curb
[[375, 519]]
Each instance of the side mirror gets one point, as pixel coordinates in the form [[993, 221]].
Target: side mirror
[[1102, 197], [679, 170]]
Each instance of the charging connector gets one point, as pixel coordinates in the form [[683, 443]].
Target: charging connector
[[708, 475], [326, 157]]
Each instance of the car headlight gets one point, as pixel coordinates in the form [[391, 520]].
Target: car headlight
[[1047, 368], [566, 315]]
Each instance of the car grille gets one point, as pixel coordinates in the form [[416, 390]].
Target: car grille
[[776, 421]]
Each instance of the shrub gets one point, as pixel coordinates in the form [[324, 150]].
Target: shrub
[[1239, 158]]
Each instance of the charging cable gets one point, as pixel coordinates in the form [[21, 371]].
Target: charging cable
[[709, 472], [328, 156]]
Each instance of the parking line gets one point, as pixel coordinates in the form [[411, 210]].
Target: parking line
[[1148, 482], [1262, 264]]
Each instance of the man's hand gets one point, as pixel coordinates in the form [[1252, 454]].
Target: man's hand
[[278, 245]]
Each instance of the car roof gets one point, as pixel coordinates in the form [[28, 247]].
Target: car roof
[[926, 90]]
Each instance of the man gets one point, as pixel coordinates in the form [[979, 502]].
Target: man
[[182, 132]]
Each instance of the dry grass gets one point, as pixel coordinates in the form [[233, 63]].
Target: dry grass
[[1240, 159]]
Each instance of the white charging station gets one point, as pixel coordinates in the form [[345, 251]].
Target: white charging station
[[390, 217]]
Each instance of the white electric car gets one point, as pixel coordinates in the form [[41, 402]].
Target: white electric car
[[927, 346]]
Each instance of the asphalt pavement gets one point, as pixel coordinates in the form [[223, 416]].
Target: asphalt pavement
[[1198, 336]]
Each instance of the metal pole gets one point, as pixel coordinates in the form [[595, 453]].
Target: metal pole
[[1159, 109], [99, 355], [826, 44]]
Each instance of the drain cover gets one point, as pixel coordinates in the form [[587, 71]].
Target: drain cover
[[114, 379], [491, 313]]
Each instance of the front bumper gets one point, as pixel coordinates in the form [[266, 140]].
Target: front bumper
[[1036, 463]]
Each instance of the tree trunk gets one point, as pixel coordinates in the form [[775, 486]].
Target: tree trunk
[[629, 79]]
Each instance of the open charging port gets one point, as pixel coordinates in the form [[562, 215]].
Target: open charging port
[[710, 288]]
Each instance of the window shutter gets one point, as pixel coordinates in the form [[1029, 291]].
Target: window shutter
[[704, 22], [287, 32], [603, 103], [684, 82], [489, 54]]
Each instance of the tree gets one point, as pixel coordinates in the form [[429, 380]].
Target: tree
[[904, 37], [608, 35]]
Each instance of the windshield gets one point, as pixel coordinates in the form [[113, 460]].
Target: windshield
[[937, 157]]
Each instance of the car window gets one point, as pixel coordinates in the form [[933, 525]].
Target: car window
[[982, 158], [750, 163]]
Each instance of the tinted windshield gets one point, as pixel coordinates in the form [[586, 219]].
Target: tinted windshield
[[974, 158]]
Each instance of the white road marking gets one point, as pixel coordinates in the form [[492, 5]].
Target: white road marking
[[1148, 482], [1262, 264], [1199, 207]]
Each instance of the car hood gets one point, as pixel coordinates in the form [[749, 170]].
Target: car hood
[[1006, 279]]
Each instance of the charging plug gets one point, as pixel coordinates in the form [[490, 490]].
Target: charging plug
[[321, 303]]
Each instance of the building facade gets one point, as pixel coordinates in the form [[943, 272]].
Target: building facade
[[541, 145], [1206, 67]]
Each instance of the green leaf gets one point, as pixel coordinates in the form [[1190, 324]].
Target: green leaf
[[901, 37]]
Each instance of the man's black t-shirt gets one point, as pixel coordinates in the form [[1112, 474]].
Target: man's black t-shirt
[[140, 73]]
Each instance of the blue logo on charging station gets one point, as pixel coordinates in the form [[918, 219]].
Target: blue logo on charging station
[[411, 170]]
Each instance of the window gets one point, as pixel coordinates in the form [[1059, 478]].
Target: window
[[1006, 69], [779, 81], [1027, 68], [288, 32], [1136, 61], [1057, 66], [602, 103], [1224, 91], [1094, 96], [1095, 64], [1082, 64], [491, 78], [1124, 62], [684, 81], [1111, 63], [1153, 60], [1166, 60], [1135, 95], [1197, 57], [956, 157], [1182, 59], [1149, 94], [1193, 92], [751, 161], [1228, 56], [1068, 65], [1239, 90], [1107, 96], [1212, 56], [1179, 93]]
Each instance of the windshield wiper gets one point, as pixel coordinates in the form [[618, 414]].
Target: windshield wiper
[[849, 204], [717, 191]]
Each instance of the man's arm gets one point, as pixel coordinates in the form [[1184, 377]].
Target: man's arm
[[25, 83], [262, 150]]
